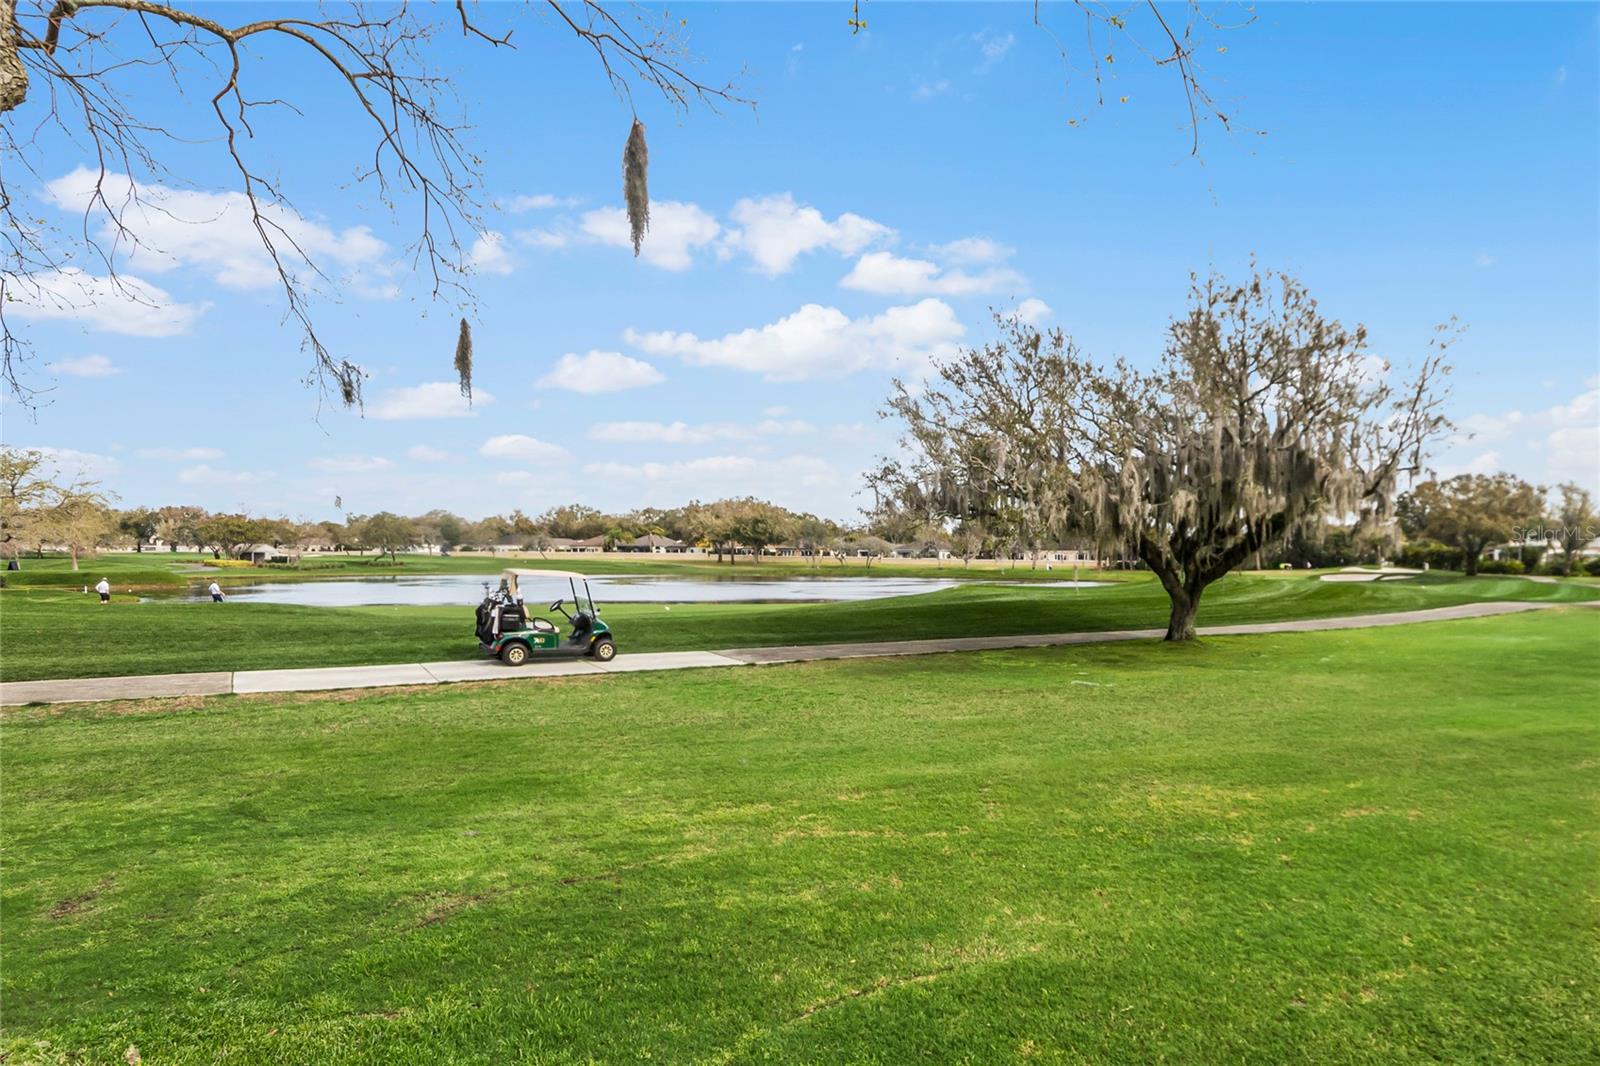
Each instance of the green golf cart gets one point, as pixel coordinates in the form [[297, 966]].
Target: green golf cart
[[507, 629]]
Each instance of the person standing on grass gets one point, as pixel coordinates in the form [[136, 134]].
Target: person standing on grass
[[216, 592], [104, 589]]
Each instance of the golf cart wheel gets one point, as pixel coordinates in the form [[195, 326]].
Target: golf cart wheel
[[605, 650], [514, 654]]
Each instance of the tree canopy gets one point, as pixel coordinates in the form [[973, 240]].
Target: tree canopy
[[1474, 511], [1576, 521], [1263, 417]]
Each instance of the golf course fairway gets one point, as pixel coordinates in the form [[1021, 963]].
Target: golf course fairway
[[1300, 848]]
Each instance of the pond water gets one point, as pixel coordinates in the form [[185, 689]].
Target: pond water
[[436, 590]]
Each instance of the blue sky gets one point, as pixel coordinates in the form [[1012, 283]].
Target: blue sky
[[1409, 163]]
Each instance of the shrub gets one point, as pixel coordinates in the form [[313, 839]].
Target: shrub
[[229, 564], [1592, 567], [1437, 556], [1503, 566]]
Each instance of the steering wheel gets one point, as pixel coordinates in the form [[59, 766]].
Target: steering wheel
[[556, 606]]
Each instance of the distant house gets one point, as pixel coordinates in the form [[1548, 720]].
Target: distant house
[[161, 544], [1067, 555], [652, 543], [587, 544], [926, 549], [1549, 543], [264, 553]]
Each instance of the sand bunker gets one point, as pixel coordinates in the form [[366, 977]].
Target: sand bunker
[[1362, 573]]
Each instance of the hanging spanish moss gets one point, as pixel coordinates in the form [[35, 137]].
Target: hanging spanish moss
[[464, 360], [635, 187], [349, 377]]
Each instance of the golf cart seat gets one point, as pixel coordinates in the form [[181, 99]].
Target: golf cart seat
[[543, 625]]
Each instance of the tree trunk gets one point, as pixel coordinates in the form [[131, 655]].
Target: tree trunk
[[74, 550], [1185, 606], [1469, 562]]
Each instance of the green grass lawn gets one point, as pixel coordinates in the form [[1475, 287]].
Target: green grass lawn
[[1290, 849], [55, 633]]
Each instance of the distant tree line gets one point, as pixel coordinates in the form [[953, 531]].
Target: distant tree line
[[39, 511], [1444, 524]]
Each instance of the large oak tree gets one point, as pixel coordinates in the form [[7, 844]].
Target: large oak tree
[[1263, 418]]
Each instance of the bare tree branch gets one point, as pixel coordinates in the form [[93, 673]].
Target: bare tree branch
[[59, 59]]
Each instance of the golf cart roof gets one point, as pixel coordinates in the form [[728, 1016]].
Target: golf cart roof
[[511, 571], [512, 578]]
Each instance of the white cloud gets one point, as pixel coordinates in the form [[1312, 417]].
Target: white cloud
[[521, 447], [892, 275], [927, 90], [1572, 446], [993, 47], [544, 238], [722, 473], [820, 342], [973, 250], [434, 399], [489, 254], [422, 453], [597, 372], [676, 231], [209, 475], [180, 455], [1559, 443], [88, 366], [350, 464], [684, 433], [1484, 428], [210, 230], [774, 231], [714, 465], [1572, 453], [127, 304], [72, 464], [1032, 311], [538, 202], [1486, 463], [851, 432], [1483, 260]]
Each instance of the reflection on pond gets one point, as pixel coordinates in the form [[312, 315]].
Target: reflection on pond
[[466, 589]]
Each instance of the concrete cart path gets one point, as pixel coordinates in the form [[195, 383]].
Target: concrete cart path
[[91, 689]]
